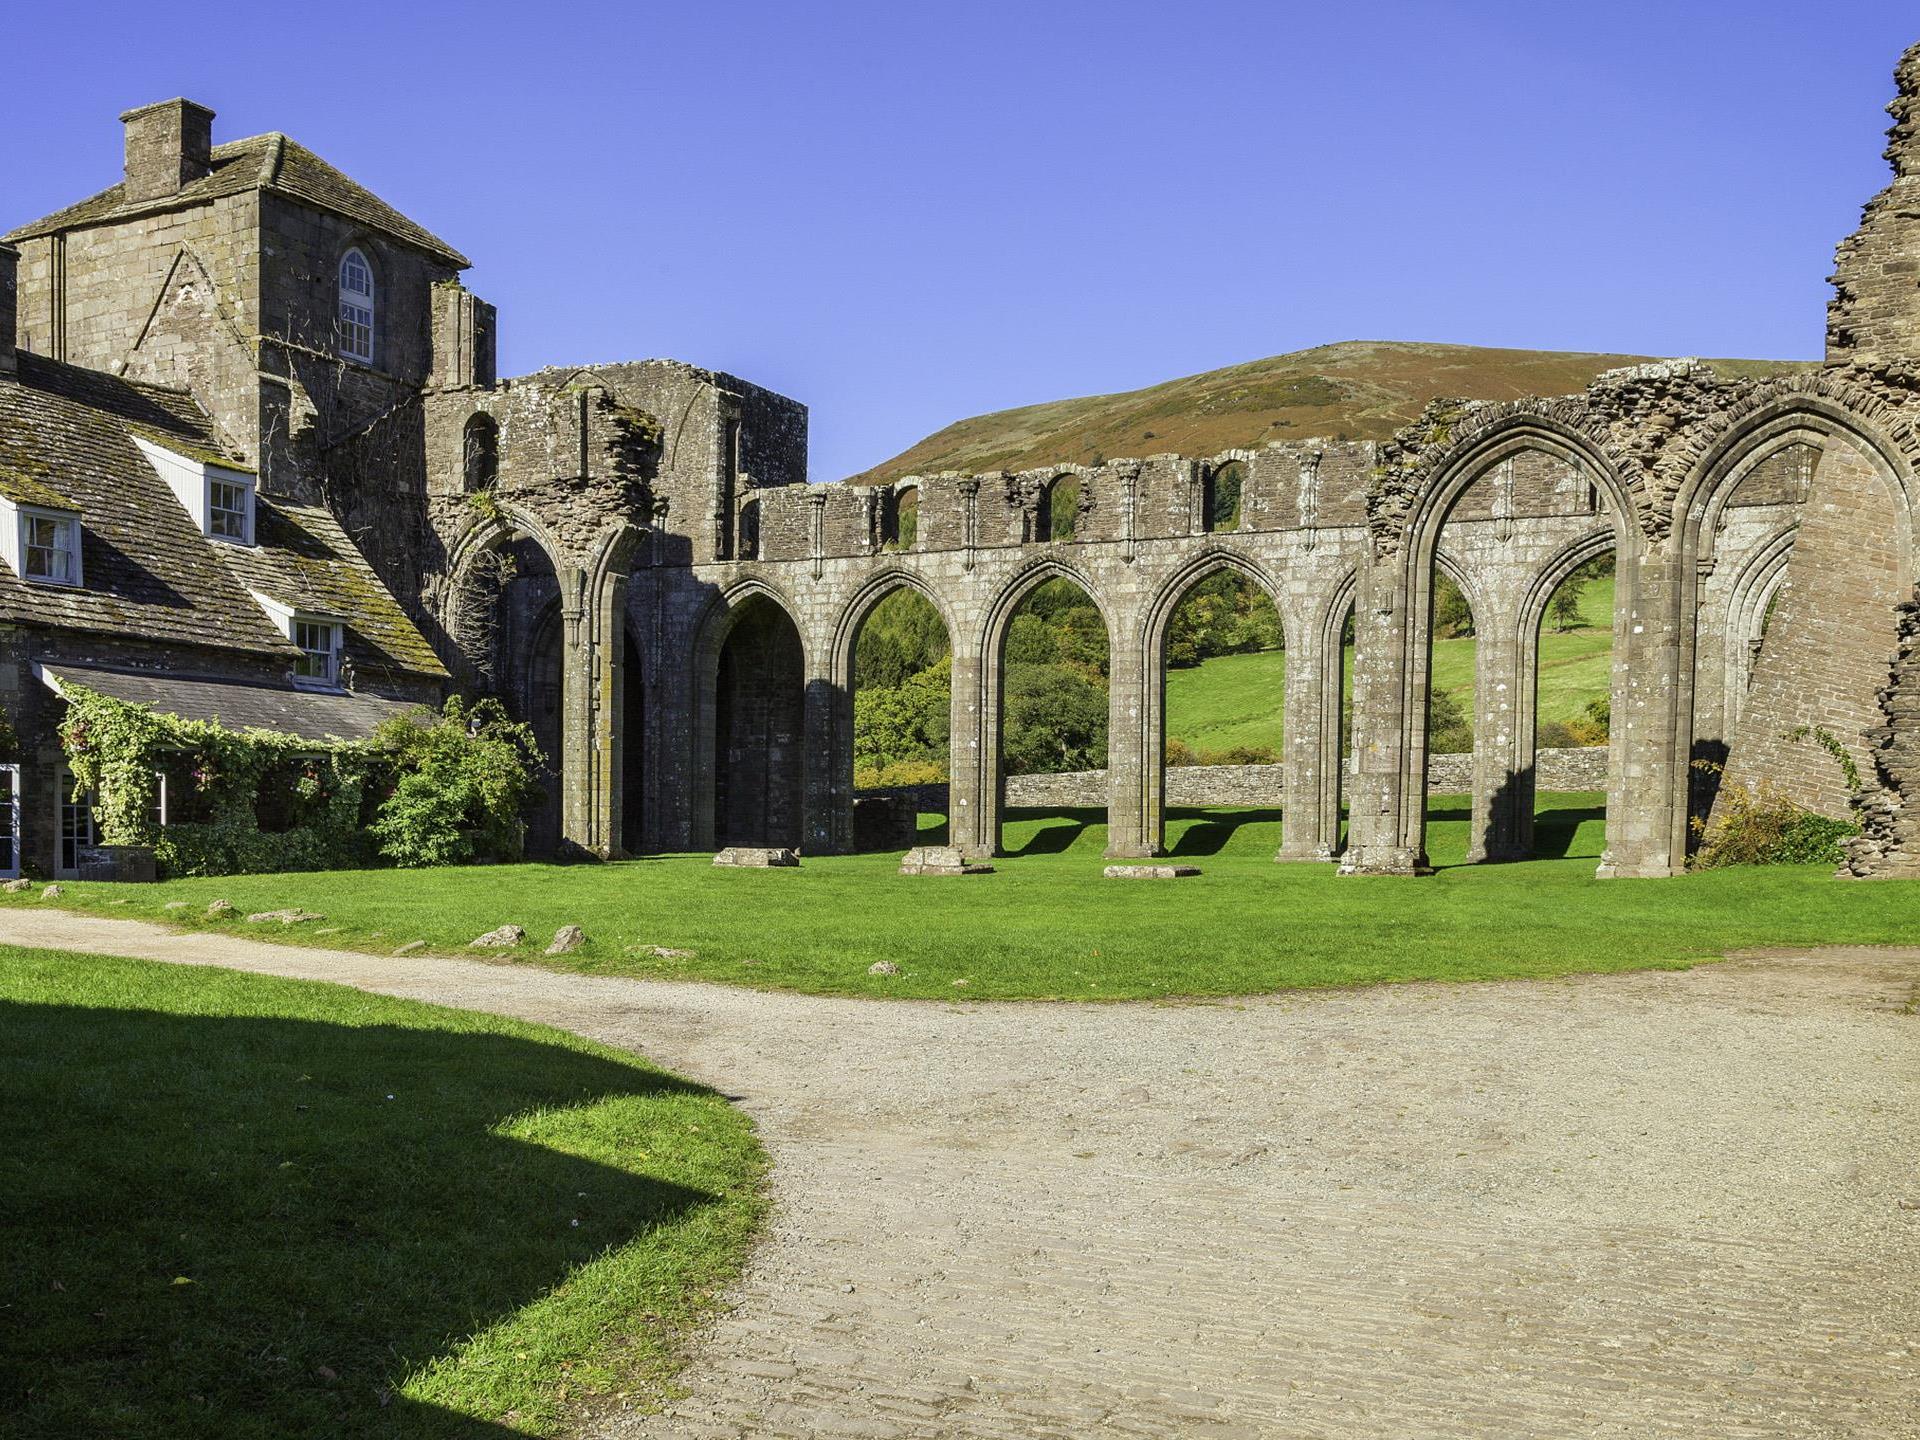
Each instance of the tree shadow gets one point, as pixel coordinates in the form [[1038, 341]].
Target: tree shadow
[[1211, 830], [260, 1227], [1057, 832]]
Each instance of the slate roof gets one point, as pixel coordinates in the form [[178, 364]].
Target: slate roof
[[261, 162], [150, 574], [237, 705]]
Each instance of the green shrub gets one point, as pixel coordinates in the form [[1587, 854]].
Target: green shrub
[[1762, 828], [463, 778]]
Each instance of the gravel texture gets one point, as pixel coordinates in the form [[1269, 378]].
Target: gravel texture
[[1655, 1204]]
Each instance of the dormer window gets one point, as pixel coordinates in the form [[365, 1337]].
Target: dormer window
[[50, 547], [319, 644], [217, 494], [39, 533], [356, 307], [317, 636]]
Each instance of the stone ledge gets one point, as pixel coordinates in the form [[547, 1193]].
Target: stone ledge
[[1151, 872]]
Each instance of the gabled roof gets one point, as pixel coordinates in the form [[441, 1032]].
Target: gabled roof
[[150, 573], [237, 704], [269, 162]]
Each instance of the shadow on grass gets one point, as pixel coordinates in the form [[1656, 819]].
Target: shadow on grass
[[1556, 832], [336, 1195], [1210, 831], [1056, 831]]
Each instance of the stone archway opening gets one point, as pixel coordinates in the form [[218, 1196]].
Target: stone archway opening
[[1055, 665], [1452, 691], [902, 717], [634, 838], [759, 729], [1572, 711], [1223, 678]]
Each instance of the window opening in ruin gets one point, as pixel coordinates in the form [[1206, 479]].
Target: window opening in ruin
[[1059, 510], [1221, 497], [480, 453]]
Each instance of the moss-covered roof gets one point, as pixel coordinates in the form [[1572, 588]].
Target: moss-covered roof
[[150, 574], [25, 490], [260, 162]]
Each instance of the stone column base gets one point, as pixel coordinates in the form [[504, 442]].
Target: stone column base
[[1384, 860]]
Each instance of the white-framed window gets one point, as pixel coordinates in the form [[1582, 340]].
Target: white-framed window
[[319, 644], [49, 547], [230, 510], [356, 307], [77, 830], [9, 821]]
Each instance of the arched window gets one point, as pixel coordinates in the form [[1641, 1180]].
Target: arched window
[[1059, 509], [750, 530], [900, 518], [356, 307], [480, 453], [1221, 497]]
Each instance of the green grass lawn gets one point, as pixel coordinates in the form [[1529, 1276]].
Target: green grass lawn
[[1048, 924], [246, 1207], [1235, 700]]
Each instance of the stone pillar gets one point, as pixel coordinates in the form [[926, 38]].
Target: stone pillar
[[1647, 777], [1310, 825], [1134, 775], [1386, 823], [1502, 781], [826, 799], [973, 792], [579, 702]]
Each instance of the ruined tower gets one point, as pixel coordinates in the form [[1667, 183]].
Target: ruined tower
[[1875, 310]]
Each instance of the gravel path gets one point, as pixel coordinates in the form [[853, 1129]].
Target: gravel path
[[1631, 1205]]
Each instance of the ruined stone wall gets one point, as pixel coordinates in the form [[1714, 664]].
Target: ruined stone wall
[[1889, 843], [1832, 636], [1875, 311]]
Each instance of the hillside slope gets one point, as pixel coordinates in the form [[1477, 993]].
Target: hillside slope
[[1359, 389]]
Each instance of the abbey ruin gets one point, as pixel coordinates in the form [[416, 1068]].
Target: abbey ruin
[[631, 557]]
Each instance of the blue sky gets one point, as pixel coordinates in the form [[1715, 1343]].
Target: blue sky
[[904, 213]]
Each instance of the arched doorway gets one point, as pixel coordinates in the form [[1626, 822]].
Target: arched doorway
[[1055, 660], [901, 684], [759, 729]]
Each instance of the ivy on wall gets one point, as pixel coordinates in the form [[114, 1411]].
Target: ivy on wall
[[428, 788]]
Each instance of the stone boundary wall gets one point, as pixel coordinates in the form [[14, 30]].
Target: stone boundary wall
[[1583, 768]]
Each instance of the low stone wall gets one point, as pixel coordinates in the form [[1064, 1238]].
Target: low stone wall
[[1257, 786]]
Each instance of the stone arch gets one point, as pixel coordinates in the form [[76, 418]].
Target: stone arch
[[1753, 588], [1857, 533], [724, 613], [990, 657], [1151, 654], [840, 660], [479, 452], [1399, 601]]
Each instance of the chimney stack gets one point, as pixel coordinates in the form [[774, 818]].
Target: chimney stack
[[169, 145], [9, 311]]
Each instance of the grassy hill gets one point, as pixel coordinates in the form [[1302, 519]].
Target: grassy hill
[[1236, 700], [1359, 389]]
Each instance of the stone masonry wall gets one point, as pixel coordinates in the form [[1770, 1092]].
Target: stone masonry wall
[[1258, 785]]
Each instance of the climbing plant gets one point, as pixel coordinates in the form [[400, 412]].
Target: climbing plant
[[263, 801]]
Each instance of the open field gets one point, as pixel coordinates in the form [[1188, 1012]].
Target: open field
[[1049, 925], [252, 1207], [1236, 700]]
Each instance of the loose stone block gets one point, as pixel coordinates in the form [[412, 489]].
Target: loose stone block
[[1151, 872], [567, 939], [757, 857], [941, 860], [504, 938], [284, 917]]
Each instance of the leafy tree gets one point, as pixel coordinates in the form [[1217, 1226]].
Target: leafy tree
[[902, 635], [1452, 616], [895, 725], [1225, 614], [1449, 727], [1056, 719]]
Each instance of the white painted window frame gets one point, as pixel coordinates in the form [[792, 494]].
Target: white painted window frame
[[73, 549], [357, 308], [192, 482], [10, 813]]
